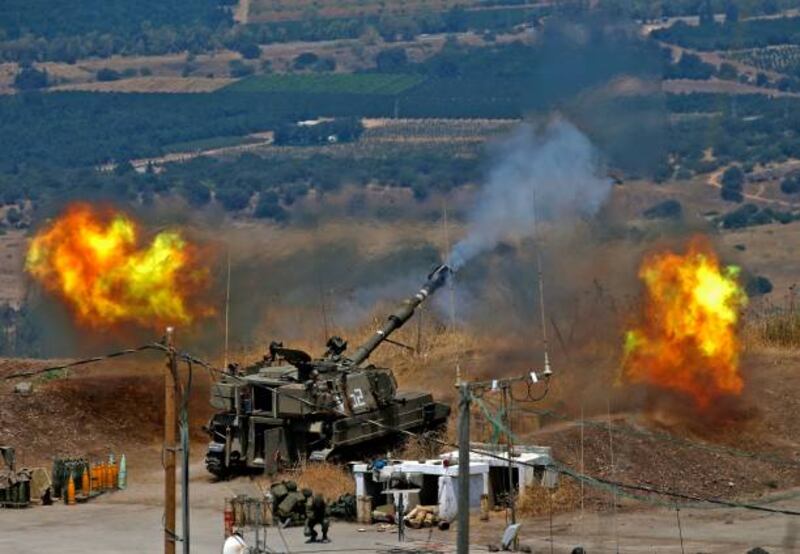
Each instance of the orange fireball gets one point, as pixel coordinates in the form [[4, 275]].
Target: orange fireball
[[687, 339], [96, 261]]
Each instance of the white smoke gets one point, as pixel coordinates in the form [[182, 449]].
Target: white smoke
[[556, 169]]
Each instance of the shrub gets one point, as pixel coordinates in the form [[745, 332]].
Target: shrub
[[791, 184], [305, 60], [30, 78], [668, 209], [758, 286], [108, 74], [733, 178], [196, 193], [731, 195], [240, 69], [249, 51], [728, 72], [13, 216], [233, 199], [269, 208], [391, 60]]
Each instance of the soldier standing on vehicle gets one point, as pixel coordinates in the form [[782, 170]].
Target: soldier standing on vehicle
[[316, 514]]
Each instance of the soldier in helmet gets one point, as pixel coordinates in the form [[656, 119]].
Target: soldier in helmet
[[316, 514]]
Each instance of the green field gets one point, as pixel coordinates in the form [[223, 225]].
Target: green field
[[783, 59], [335, 83]]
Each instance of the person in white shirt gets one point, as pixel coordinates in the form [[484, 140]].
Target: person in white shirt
[[234, 544]]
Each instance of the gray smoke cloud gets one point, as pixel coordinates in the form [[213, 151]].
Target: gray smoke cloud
[[555, 168]]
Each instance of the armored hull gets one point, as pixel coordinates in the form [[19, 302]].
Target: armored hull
[[290, 407]]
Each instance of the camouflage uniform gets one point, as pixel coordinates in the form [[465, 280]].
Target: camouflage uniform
[[316, 514]]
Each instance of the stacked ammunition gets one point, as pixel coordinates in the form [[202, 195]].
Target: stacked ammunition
[[78, 480]]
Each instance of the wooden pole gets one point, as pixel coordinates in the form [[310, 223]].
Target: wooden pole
[[512, 497], [170, 425], [463, 469]]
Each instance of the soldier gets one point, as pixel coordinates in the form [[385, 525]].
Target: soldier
[[316, 514]]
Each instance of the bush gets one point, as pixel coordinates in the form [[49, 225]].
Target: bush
[[731, 195], [728, 72], [739, 218], [391, 60], [240, 69], [305, 60], [107, 74], [791, 184], [30, 78], [13, 216], [758, 286], [233, 199], [733, 178], [325, 65], [249, 51], [668, 209], [269, 208], [690, 66], [196, 193]]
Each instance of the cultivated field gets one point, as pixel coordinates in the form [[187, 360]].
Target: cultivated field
[[782, 59], [152, 84], [281, 10]]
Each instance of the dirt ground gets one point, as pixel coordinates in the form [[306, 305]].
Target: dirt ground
[[747, 449], [127, 522]]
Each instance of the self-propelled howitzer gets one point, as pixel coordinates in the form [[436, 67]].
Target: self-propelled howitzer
[[289, 407]]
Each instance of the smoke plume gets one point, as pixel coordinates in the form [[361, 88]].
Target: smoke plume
[[548, 174]]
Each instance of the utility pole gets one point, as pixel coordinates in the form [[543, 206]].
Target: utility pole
[[512, 497], [170, 425], [185, 471], [463, 468], [465, 401]]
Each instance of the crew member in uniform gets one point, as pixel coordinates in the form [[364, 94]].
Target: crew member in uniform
[[316, 514]]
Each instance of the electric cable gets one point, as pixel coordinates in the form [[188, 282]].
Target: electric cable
[[666, 437], [84, 361], [596, 482], [628, 489]]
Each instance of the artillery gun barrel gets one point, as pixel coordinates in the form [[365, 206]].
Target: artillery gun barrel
[[402, 314]]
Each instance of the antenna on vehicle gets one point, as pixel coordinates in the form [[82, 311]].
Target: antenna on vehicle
[[547, 371], [227, 311], [451, 288]]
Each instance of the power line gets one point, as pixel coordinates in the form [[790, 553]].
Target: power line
[[591, 480], [594, 481], [597, 482], [85, 361], [766, 457]]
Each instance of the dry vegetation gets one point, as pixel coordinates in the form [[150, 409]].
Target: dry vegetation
[[329, 480], [152, 84], [537, 501], [281, 10], [585, 353]]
